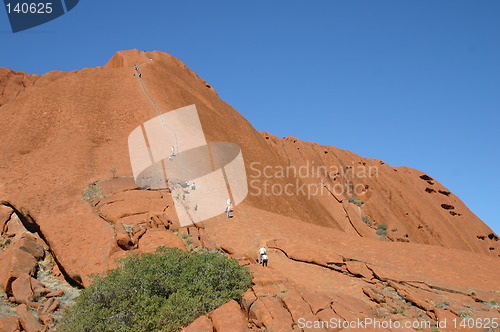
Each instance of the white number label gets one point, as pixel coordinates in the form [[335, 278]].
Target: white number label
[[30, 8]]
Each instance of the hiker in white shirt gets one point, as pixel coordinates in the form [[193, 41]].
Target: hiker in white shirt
[[262, 252], [264, 260]]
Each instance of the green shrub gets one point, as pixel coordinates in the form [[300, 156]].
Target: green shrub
[[443, 304], [356, 201], [464, 315], [160, 291], [491, 304], [367, 220], [382, 230], [92, 192]]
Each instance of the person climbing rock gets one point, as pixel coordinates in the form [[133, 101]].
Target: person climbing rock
[[262, 252], [264, 260], [228, 207]]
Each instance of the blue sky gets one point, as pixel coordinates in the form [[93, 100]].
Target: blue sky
[[414, 83]]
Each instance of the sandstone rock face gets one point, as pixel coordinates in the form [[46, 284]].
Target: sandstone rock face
[[9, 324], [48, 306], [5, 213], [57, 293], [364, 193], [28, 321], [359, 269], [154, 239], [200, 324], [88, 133], [14, 264], [48, 321], [86, 130], [363, 240], [23, 256], [229, 318], [28, 243], [13, 83], [25, 288], [322, 274]]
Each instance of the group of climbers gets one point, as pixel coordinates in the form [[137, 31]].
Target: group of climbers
[[229, 205], [263, 256], [136, 67], [173, 154]]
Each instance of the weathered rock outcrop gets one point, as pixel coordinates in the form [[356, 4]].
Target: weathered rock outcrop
[[13, 83], [22, 253], [321, 275], [9, 324], [69, 130], [354, 237], [66, 131], [363, 193]]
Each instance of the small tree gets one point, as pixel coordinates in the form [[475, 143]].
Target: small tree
[[113, 170], [160, 291]]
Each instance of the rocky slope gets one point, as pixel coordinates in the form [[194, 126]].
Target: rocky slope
[[65, 171], [414, 206]]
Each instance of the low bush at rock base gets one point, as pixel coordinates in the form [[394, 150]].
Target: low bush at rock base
[[160, 291]]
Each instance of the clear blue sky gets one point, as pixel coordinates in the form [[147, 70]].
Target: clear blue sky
[[414, 83]]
